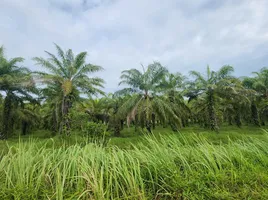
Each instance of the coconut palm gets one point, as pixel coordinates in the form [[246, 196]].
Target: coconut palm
[[70, 74], [17, 84], [145, 102], [210, 88]]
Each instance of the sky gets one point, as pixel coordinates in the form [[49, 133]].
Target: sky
[[182, 35]]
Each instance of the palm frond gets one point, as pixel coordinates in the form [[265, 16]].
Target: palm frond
[[48, 65], [16, 60], [80, 60], [2, 50], [225, 71], [58, 63], [126, 91], [60, 52], [198, 77]]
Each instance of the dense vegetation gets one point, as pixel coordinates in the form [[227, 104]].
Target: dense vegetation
[[62, 97], [160, 166], [65, 102]]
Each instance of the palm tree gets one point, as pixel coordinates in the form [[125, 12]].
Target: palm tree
[[259, 83], [70, 74], [145, 102], [51, 107], [116, 119], [174, 85], [97, 109], [235, 106], [17, 84], [209, 88]]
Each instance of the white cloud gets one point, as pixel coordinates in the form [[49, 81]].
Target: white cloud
[[121, 34]]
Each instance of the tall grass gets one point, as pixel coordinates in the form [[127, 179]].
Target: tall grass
[[168, 167]]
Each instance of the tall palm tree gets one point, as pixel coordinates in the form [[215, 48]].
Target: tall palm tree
[[70, 74], [17, 84], [209, 88], [145, 102]]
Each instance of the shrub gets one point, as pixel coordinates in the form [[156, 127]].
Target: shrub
[[95, 132]]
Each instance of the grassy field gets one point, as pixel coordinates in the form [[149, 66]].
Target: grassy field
[[192, 164]]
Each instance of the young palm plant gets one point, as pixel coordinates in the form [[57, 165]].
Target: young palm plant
[[145, 103], [70, 74]]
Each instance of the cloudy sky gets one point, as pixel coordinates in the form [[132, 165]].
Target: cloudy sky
[[120, 34]]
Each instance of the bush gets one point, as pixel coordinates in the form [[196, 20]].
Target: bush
[[96, 132]]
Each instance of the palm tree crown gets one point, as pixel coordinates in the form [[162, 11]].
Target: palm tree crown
[[145, 104], [70, 74]]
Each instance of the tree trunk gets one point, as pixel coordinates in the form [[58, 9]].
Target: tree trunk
[[54, 127], [136, 123], [153, 120], [173, 127], [148, 126], [255, 115], [238, 120], [121, 124], [6, 126], [66, 124], [24, 128], [117, 129], [211, 111], [142, 121], [230, 120], [186, 121], [183, 122]]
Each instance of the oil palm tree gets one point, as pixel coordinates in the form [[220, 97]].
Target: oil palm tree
[[236, 106], [211, 87], [259, 83], [97, 109], [50, 110], [116, 119], [17, 84], [70, 74], [146, 101], [174, 85]]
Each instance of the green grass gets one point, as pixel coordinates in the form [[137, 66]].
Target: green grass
[[193, 164]]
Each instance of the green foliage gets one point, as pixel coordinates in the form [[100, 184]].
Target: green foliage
[[210, 90], [146, 102], [17, 85], [183, 166], [152, 97], [90, 164], [95, 132], [66, 80], [95, 129]]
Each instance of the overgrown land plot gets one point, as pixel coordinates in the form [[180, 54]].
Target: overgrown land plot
[[161, 136]]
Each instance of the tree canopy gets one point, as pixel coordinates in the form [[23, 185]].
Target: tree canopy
[[66, 92]]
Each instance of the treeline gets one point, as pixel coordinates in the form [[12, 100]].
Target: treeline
[[54, 98]]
